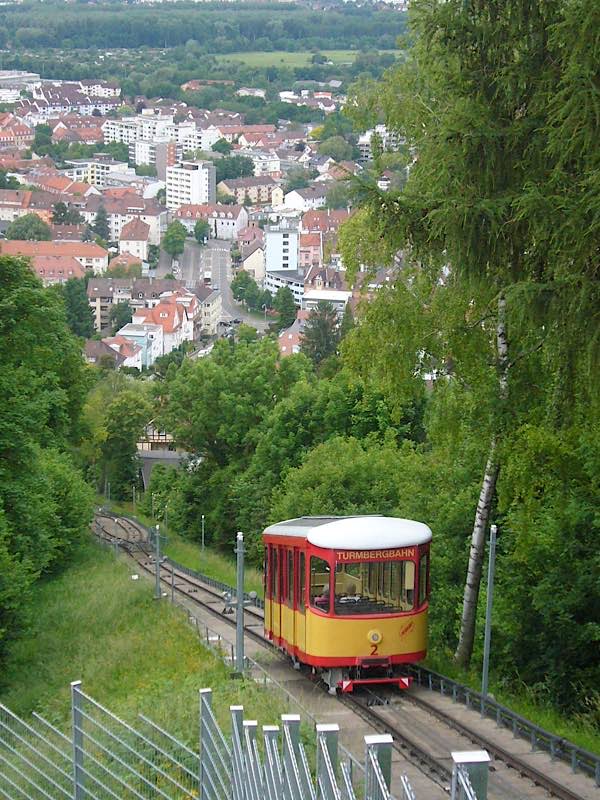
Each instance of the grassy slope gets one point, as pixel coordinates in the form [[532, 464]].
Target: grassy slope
[[94, 623]]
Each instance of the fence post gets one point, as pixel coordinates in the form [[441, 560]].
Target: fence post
[[327, 736], [272, 766], [237, 751], [205, 703], [380, 747], [77, 723], [157, 593]]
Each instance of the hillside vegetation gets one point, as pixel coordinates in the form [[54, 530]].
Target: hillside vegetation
[[93, 623]]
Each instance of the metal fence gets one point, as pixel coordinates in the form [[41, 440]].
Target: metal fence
[[580, 760], [103, 757]]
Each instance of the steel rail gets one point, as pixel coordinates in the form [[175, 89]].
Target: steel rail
[[433, 768]]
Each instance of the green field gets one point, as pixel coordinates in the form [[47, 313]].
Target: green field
[[281, 57], [93, 623]]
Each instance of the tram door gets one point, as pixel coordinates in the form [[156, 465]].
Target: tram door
[[300, 601]]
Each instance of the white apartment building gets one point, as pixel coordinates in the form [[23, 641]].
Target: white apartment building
[[200, 138], [265, 162], [390, 141], [293, 280], [191, 183], [281, 246], [96, 170], [129, 129]]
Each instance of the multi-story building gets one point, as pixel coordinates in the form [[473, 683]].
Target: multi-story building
[[281, 246], [190, 183], [256, 191], [148, 336], [90, 255], [96, 170], [225, 222], [390, 141], [211, 309], [159, 154], [122, 208], [292, 279], [102, 294]]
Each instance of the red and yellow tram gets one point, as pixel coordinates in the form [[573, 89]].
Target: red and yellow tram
[[348, 596]]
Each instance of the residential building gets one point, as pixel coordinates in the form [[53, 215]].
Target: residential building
[[57, 183], [171, 318], [265, 162], [129, 350], [225, 221], [96, 170], [190, 183], [96, 88], [146, 126], [289, 341], [253, 260], [338, 299], [102, 294], [100, 354], [14, 133], [159, 154], [292, 279], [281, 246], [390, 141], [147, 292], [56, 269], [323, 221], [90, 255], [311, 198], [317, 277], [246, 91], [134, 239], [14, 203], [311, 249], [148, 336], [123, 205], [257, 191], [251, 233], [211, 309]]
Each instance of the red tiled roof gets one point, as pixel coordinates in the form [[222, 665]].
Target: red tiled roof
[[135, 231], [74, 249]]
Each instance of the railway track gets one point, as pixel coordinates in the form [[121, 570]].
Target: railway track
[[382, 711]]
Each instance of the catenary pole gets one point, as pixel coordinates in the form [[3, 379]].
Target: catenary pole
[[488, 611], [239, 616]]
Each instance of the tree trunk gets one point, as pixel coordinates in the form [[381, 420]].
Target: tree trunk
[[471, 594], [464, 649]]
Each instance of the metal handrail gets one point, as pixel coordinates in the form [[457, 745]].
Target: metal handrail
[[541, 739]]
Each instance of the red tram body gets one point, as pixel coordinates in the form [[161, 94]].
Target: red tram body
[[348, 596]]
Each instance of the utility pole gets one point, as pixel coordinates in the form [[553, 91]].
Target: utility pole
[[239, 614], [157, 594], [133, 498], [488, 611], [202, 532]]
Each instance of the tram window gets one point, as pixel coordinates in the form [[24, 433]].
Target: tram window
[[374, 587], [423, 564], [319, 584], [290, 581], [273, 575], [301, 580]]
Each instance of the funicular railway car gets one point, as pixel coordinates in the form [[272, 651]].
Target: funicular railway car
[[348, 596]]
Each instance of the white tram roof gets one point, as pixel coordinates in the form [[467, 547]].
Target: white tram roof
[[355, 533]]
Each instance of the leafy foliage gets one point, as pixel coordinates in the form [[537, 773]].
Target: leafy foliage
[[173, 242], [44, 505], [80, 317], [321, 333], [29, 227]]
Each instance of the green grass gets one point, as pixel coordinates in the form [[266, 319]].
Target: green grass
[[262, 59], [211, 563], [93, 623], [579, 730]]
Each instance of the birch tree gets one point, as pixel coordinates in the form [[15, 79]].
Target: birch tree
[[475, 101]]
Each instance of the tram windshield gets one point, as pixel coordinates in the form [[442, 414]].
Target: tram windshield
[[374, 587]]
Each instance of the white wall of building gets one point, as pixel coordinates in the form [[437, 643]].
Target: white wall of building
[[281, 247], [190, 183]]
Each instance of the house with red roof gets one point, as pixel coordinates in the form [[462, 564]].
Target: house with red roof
[[56, 269], [89, 255], [130, 351], [134, 239], [224, 221], [310, 251]]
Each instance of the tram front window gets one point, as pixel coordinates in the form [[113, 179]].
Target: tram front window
[[374, 587]]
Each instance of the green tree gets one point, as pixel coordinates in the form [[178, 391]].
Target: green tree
[[321, 334], [100, 226], [44, 505], [298, 178], [125, 418], [233, 167], [476, 83], [29, 227], [285, 305], [80, 317], [201, 231], [340, 194], [173, 241], [120, 315], [222, 146], [63, 215], [8, 182], [336, 147], [241, 284]]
